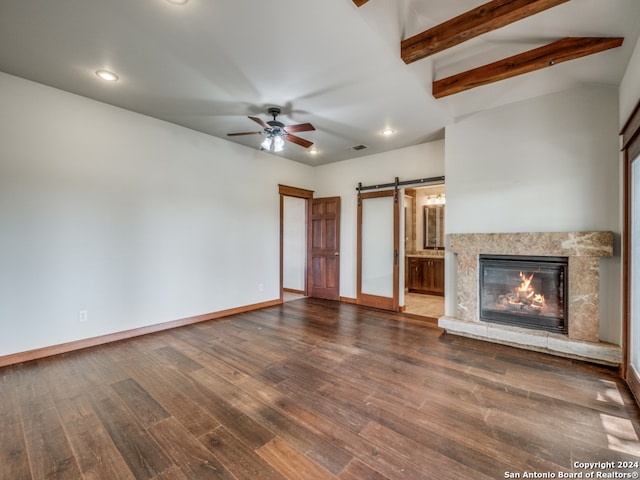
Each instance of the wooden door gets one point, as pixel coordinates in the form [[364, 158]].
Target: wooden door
[[378, 250], [324, 255]]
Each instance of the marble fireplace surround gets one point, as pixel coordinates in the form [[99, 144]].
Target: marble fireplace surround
[[583, 250]]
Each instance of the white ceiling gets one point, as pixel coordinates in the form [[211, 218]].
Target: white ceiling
[[209, 64]]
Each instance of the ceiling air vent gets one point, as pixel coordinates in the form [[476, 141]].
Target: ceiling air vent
[[358, 147]]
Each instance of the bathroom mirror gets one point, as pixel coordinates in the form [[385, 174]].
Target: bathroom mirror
[[433, 227]]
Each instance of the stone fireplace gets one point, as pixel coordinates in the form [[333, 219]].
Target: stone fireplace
[[580, 318]]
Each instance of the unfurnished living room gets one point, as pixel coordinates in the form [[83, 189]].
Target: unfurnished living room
[[341, 239]]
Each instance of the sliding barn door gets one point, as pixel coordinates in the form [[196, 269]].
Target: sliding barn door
[[324, 269], [378, 233]]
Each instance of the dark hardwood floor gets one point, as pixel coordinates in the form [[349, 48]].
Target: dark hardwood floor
[[312, 389]]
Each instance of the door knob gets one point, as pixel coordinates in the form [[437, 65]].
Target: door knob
[[336, 253]]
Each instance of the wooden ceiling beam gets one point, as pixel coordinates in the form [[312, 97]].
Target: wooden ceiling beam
[[359, 3], [483, 19], [557, 52]]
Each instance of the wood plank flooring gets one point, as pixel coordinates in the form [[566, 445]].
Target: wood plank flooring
[[311, 389]]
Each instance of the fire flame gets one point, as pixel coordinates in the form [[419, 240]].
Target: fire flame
[[525, 286], [528, 291], [526, 295]]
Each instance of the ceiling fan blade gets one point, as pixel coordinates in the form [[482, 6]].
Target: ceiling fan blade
[[243, 133], [301, 127], [259, 122], [298, 141]]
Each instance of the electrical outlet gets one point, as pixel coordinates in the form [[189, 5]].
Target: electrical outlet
[[83, 315], [260, 287]]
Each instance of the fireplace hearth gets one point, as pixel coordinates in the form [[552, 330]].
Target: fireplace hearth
[[524, 291]]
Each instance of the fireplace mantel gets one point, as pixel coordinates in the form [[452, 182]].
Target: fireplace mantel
[[583, 250]]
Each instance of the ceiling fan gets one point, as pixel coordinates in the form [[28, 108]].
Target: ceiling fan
[[277, 132]]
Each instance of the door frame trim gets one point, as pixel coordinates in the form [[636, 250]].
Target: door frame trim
[[307, 195], [374, 300]]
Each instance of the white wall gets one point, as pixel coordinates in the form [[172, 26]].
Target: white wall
[[548, 164], [341, 179], [136, 220]]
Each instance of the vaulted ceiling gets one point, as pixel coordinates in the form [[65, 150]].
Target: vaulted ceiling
[[352, 68]]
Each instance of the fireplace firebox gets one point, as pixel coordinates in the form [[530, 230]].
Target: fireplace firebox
[[524, 291]]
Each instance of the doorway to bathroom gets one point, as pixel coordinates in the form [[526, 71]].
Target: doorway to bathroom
[[424, 247]]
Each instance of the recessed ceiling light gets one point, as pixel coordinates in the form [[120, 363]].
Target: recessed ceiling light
[[107, 75], [387, 132], [178, 2], [313, 151]]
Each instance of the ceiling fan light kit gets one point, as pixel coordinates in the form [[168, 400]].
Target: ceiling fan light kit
[[277, 132], [274, 140], [278, 144]]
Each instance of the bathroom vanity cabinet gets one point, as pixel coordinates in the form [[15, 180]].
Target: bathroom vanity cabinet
[[425, 275]]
